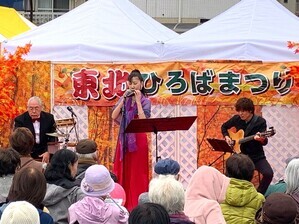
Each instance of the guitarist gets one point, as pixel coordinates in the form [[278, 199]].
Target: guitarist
[[251, 124]]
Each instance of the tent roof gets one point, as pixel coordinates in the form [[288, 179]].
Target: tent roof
[[2, 38], [97, 30], [250, 30], [12, 23]]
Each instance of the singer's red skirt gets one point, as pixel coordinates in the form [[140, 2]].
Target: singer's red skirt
[[133, 171]]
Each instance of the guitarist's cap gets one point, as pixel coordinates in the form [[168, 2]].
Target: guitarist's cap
[[167, 166]]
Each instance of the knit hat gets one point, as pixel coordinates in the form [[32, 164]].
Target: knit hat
[[279, 208], [167, 166], [20, 212], [86, 146], [97, 181]]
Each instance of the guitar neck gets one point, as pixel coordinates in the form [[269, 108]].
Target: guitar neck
[[246, 139]]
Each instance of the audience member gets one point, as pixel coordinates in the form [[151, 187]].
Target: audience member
[[242, 200], [20, 212], [292, 181], [22, 141], [169, 193], [206, 189], [279, 208], [86, 150], [167, 166], [163, 167], [97, 185], [281, 185], [29, 184], [143, 198], [62, 190], [149, 213], [9, 162]]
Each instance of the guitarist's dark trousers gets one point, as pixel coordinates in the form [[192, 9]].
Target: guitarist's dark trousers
[[265, 169]]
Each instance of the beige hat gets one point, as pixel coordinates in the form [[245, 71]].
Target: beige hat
[[20, 212]]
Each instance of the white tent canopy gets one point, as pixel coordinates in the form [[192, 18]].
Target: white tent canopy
[[2, 38], [98, 30], [250, 30]]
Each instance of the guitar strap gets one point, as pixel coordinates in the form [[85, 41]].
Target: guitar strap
[[250, 125]]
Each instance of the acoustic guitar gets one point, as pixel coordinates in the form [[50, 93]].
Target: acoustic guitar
[[238, 137]]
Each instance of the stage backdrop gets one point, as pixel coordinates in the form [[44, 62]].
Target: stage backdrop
[[207, 89]]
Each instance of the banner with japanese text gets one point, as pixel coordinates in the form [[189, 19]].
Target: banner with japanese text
[[184, 83]]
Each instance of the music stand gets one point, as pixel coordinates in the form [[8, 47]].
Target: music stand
[[219, 145], [160, 124]]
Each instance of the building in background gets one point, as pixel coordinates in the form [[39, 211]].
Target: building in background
[[179, 15]]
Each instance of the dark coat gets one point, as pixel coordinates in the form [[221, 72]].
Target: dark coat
[[47, 125]]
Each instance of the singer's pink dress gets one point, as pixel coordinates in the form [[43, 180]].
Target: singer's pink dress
[[133, 171]]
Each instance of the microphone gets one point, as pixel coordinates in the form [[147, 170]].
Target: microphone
[[129, 93], [70, 109]]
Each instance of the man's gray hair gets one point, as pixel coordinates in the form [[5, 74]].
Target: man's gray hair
[[36, 98]]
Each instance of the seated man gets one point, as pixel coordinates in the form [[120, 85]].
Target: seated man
[[39, 123]]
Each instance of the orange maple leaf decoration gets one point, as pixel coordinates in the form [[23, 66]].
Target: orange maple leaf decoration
[[9, 65], [292, 71], [292, 45]]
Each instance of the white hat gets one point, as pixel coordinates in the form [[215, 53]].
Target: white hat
[[97, 181], [20, 212]]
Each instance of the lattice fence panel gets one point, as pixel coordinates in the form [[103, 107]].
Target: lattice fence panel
[[178, 145], [61, 112], [285, 143]]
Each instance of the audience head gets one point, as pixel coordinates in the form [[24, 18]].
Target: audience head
[[62, 165], [97, 181], [9, 161], [22, 141], [240, 166], [279, 208], [167, 192], [288, 160], [114, 177], [149, 213], [29, 184], [244, 104], [87, 149], [207, 182], [34, 107], [20, 212], [167, 166], [292, 177], [143, 198]]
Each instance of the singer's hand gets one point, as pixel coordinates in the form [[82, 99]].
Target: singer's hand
[[138, 96]]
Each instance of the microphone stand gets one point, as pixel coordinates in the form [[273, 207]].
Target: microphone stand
[[124, 121], [67, 133], [74, 126]]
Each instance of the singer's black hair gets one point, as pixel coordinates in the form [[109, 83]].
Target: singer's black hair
[[137, 73]]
